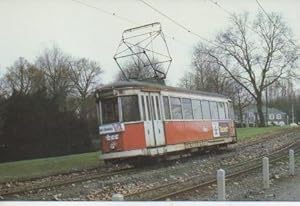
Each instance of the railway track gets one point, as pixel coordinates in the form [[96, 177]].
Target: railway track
[[169, 190], [76, 179], [134, 196], [263, 138]]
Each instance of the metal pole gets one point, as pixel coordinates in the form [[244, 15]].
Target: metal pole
[[266, 174], [266, 106], [221, 184], [291, 162], [117, 197], [293, 116]]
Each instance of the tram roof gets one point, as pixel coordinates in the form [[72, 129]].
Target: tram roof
[[138, 85]]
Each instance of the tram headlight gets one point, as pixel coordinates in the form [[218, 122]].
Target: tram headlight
[[113, 145]]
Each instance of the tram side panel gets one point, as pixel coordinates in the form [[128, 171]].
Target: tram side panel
[[178, 132], [187, 131], [133, 137]]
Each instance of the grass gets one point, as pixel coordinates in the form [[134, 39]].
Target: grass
[[252, 132], [27, 169]]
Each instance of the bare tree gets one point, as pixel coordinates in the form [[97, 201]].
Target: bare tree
[[188, 80], [85, 75], [3, 88], [206, 75], [254, 53], [23, 78], [55, 66], [17, 77], [138, 71], [241, 101]]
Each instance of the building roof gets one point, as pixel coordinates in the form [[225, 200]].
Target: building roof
[[271, 110], [137, 84]]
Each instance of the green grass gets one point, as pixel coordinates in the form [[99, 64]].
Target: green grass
[[252, 132], [27, 169]]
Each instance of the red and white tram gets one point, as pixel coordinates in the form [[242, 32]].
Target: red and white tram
[[140, 119]]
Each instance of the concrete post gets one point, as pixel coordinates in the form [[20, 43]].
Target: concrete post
[[221, 184], [117, 197], [266, 181], [292, 162]]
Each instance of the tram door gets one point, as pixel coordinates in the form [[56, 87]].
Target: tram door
[[154, 130]]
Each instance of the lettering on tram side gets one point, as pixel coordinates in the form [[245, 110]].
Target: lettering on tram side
[[216, 129], [195, 144], [205, 129], [111, 128], [224, 128], [112, 137]]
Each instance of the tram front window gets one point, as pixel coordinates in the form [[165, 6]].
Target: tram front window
[[110, 111], [130, 108]]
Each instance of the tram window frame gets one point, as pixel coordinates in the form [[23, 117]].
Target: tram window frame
[[167, 109], [231, 111], [114, 108], [158, 108], [148, 108], [197, 103], [226, 110], [176, 106], [223, 110], [143, 102], [133, 107], [187, 108], [205, 106]]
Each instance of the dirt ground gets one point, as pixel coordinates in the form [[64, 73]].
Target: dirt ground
[[285, 189]]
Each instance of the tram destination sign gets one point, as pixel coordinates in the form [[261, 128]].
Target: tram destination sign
[[111, 128]]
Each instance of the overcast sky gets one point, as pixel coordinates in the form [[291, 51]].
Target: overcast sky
[[28, 26]]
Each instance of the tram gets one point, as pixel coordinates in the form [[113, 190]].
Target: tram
[[140, 120]]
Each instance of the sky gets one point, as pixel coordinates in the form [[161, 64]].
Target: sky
[[29, 26]]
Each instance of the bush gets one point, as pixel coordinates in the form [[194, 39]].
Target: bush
[[33, 126]]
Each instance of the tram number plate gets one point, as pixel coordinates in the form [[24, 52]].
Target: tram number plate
[[195, 144]]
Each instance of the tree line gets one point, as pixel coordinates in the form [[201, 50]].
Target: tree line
[[47, 107]]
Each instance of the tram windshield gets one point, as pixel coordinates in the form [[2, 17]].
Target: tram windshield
[[130, 108], [110, 111]]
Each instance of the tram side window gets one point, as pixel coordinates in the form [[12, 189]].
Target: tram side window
[[221, 109], [197, 111], [187, 108], [231, 111], [214, 110], [167, 107], [176, 108], [110, 111], [130, 108], [205, 109]]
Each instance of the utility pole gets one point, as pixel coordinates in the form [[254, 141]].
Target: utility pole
[[266, 106], [293, 116]]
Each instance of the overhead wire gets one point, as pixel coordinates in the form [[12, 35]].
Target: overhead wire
[[270, 19], [177, 23], [114, 14], [107, 12], [264, 11], [232, 15]]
